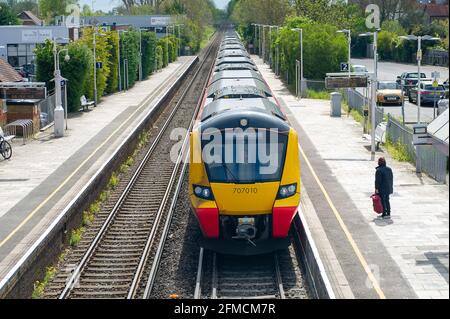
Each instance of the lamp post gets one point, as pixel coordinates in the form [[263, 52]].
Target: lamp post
[[140, 54], [94, 39], [300, 30], [374, 89], [419, 40], [349, 32], [59, 111]]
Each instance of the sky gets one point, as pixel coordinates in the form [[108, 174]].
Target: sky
[[106, 5]]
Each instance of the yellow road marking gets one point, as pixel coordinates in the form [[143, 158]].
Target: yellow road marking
[[145, 103], [349, 236]]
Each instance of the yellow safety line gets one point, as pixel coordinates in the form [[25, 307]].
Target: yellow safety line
[[145, 103], [349, 236]]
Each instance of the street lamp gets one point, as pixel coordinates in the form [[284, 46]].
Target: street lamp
[[119, 58], [374, 88], [349, 32], [59, 111], [94, 39], [301, 58], [419, 40]]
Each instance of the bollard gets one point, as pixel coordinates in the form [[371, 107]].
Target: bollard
[[336, 104]]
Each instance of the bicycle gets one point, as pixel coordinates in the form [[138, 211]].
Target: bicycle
[[5, 149]]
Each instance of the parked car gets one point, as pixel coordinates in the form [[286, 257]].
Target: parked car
[[389, 93], [409, 80], [442, 106], [429, 93], [360, 69], [445, 84]]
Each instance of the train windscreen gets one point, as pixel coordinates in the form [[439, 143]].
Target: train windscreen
[[245, 157]]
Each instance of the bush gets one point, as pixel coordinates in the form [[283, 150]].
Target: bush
[[112, 82], [103, 54], [76, 70], [148, 53], [130, 51], [323, 50]]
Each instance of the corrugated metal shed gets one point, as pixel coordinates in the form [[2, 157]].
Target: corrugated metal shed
[[439, 131]]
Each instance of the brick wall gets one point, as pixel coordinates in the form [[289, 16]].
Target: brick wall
[[24, 112]]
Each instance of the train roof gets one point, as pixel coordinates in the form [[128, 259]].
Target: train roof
[[230, 60], [224, 47], [231, 53], [235, 83], [231, 41], [237, 74], [258, 113], [235, 66], [238, 91], [256, 105]]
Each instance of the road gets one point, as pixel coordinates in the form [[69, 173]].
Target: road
[[388, 71]]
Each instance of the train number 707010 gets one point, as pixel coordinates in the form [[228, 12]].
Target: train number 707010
[[245, 190]]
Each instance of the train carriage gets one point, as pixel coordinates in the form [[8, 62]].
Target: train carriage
[[244, 175]]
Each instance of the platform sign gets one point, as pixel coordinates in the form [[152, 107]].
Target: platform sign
[[346, 82], [345, 67], [421, 136], [99, 65]]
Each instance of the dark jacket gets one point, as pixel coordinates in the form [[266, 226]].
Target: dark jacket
[[384, 180]]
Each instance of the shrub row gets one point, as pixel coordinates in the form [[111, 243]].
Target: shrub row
[[79, 70]]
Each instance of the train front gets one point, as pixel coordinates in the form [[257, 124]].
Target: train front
[[244, 178]]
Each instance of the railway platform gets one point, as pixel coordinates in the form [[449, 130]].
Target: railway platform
[[364, 256], [46, 174]]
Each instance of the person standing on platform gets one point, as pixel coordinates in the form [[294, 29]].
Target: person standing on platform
[[384, 186]]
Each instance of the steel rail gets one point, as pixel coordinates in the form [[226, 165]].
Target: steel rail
[[71, 283], [185, 149]]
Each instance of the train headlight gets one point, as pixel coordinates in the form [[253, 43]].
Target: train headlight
[[287, 191], [203, 192]]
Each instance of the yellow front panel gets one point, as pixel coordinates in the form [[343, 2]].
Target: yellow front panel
[[291, 172], [245, 199]]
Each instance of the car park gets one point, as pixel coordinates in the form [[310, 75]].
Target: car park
[[409, 80]]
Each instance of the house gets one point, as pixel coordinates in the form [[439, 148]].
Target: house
[[8, 74], [28, 18], [435, 11]]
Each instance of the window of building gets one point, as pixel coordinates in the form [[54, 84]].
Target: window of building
[[20, 54]]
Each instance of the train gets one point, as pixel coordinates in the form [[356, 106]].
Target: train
[[244, 169]]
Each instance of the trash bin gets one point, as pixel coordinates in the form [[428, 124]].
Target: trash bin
[[336, 101]]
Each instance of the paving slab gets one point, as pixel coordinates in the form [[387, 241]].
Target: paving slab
[[44, 175], [395, 253]]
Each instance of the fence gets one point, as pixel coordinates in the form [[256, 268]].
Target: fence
[[358, 102], [47, 108], [436, 57], [432, 162]]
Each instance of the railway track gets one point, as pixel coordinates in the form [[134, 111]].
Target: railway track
[[120, 254], [272, 276]]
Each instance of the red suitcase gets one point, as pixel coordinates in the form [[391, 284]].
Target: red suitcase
[[377, 205]]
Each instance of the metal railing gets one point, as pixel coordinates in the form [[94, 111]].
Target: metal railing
[[432, 162], [359, 102], [47, 109]]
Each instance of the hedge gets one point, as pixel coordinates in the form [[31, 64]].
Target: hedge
[[148, 53], [76, 70], [103, 55], [112, 83], [130, 52]]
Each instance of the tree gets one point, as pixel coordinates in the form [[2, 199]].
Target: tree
[[270, 12], [76, 70], [49, 9], [7, 16]]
